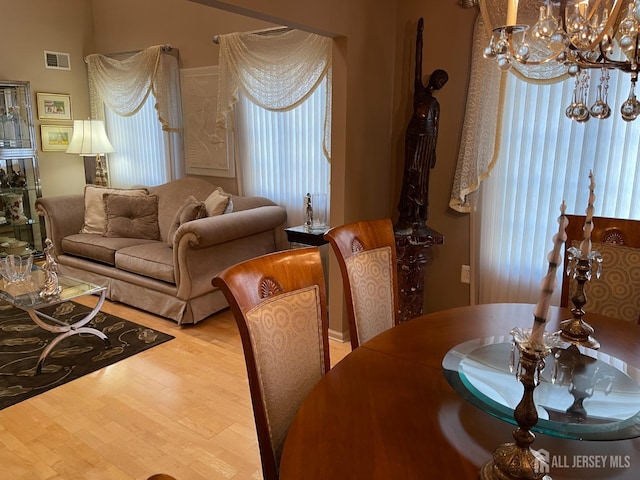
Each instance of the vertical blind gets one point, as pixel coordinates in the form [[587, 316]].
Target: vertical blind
[[141, 147], [543, 159], [281, 153]]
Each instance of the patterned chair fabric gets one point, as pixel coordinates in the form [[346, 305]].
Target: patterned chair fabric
[[616, 293], [286, 338], [371, 289]]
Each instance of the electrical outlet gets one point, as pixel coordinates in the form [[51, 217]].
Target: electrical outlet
[[465, 274]]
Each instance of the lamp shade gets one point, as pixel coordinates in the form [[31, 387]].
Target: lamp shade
[[89, 138]]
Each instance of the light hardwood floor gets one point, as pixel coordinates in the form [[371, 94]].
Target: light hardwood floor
[[181, 408]]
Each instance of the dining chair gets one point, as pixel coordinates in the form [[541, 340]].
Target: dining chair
[[279, 303], [617, 292], [366, 253]]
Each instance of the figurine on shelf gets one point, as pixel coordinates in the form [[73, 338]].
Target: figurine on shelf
[[50, 288], [4, 181], [17, 179]]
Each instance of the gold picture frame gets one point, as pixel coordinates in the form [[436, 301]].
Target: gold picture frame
[[54, 106], [55, 138]]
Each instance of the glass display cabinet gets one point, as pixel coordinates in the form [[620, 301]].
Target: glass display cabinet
[[21, 229]]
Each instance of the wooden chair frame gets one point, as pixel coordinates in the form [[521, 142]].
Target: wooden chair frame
[[348, 240], [248, 284]]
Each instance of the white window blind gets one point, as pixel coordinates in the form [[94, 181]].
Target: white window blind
[[280, 153], [544, 158], [141, 147]]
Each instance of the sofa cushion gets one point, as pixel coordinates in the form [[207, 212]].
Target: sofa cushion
[[217, 202], [98, 248], [172, 196], [154, 260], [95, 218], [131, 216], [192, 209]]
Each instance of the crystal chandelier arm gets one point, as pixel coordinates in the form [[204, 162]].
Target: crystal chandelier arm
[[608, 28]]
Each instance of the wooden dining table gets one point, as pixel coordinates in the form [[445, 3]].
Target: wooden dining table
[[386, 411]]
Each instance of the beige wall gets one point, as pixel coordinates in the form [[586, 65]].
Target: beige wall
[[28, 29], [374, 43]]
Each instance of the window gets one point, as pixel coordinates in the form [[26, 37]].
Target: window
[[281, 153], [140, 156], [139, 98], [543, 159]]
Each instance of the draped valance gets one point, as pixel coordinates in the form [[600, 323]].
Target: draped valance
[[277, 72], [124, 85]]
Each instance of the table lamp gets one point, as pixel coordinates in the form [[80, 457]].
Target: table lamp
[[90, 138]]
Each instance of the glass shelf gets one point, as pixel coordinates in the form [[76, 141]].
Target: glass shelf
[[594, 397], [19, 172]]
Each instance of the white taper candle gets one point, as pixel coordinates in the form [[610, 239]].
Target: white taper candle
[[512, 12], [549, 281], [585, 245]]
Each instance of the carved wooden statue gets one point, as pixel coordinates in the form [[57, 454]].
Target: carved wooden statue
[[413, 236], [420, 147]]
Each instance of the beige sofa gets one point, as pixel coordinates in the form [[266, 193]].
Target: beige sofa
[[173, 281]]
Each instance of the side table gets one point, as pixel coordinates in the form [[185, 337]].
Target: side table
[[303, 235]]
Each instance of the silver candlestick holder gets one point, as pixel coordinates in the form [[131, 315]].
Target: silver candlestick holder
[[517, 460], [581, 267]]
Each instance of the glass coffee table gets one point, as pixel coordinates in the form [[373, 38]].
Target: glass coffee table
[[26, 296]]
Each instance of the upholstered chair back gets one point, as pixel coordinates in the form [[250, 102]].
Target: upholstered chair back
[[366, 253], [616, 293], [279, 303]]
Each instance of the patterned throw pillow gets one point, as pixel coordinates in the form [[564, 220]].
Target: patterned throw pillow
[[192, 209], [95, 219], [616, 293], [132, 217]]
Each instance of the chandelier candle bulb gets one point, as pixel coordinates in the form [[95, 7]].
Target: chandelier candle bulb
[[585, 245], [549, 281], [512, 12]]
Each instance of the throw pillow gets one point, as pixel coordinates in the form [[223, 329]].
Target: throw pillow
[[192, 209], [217, 202], [131, 217], [95, 219]]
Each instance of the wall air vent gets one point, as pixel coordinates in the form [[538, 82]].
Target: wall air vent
[[57, 60]]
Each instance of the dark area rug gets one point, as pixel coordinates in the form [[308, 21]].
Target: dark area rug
[[22, 342]]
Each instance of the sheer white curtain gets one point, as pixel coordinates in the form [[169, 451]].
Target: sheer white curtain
[[139, 98], [281, 153], [543, 158]]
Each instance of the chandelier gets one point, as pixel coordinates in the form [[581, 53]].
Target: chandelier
[[573, 37]]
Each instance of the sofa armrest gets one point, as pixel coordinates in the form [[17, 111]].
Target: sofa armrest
[[203, 247], [63, 215], [209, 231]]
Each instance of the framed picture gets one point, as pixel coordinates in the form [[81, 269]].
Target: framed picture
[[55, 138], [54, 106]]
